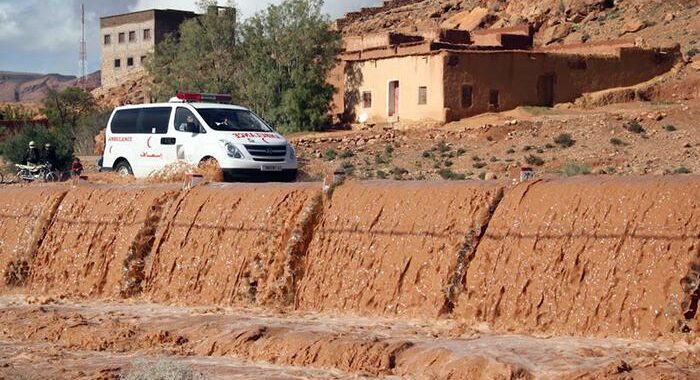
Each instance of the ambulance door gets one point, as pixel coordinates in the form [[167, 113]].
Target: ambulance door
[[168, 143], [189, 134], [153, 124]]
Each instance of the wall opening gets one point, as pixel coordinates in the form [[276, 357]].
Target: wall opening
[[132, 36], [122, 37], [494, 99], [117, 63], [545, 90], [367, 99], [108, 39], [422, 95], [393, 97], [130, 61], [467, 93]]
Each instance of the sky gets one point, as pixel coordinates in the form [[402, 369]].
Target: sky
[[43, 36]]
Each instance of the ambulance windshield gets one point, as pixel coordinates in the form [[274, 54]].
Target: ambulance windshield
[[227, 119]]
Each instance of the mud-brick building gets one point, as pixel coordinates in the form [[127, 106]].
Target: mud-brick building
[[446, 75], [128, 38]]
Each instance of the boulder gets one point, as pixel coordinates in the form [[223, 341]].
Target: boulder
[[556, 33], [467, 20], [632, 26]]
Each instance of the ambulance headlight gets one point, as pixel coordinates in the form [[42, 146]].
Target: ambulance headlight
[[231, 149], [292, 155]]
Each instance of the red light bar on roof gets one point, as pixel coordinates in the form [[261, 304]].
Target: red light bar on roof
[[203, 97]]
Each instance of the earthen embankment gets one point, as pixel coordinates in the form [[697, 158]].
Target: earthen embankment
[[234, 244], [594, 256], [393, 248], [25, 214], [97, 241], [590, 256]]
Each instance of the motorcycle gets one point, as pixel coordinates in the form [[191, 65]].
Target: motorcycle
[[29, 173]]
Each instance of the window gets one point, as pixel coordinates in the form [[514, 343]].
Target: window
[[143, 59], [132, 36], [422, 95], [117, 63], [141, 120], [108, 39], [226, 119], [494, 101], [130, 61], [366, 99], [186, 122], [146, 34], [467, 96], [121, 38]]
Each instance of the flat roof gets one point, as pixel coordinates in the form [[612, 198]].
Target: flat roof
[[148, 10]]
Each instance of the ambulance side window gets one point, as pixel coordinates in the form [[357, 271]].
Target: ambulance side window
[[154, 120], [186, 122]]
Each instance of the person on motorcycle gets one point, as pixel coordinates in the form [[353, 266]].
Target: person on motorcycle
[[32, 155], [49, 156]]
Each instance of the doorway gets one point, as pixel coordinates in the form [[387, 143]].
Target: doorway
[[393, 97], [545, 90]]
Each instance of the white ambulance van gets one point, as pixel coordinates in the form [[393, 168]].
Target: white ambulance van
[[141, 139]]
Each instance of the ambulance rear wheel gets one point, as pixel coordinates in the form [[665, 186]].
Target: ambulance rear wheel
[[123, 169]]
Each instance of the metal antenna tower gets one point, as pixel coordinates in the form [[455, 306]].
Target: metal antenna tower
[[83, 48]]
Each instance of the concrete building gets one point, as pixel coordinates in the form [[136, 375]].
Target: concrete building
[[128, 38], [446, 75]]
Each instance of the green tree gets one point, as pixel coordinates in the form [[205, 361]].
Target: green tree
[[203, 58], [287, 52], [14, 147], [276, 62], [66, 109]]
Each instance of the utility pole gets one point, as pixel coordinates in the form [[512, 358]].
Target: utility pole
[[83, 49]]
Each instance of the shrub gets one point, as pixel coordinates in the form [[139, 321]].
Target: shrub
[[682, 170], [461, 151], [15, 147], [527, 147], [449, 174], [693, 52], [448, 163], [634, 127], [398, 172], [670, 128], [442, 147], [510, 151], [380, 159], [330, 154], [427, 154], [548, 146], [347, 154], [571, 169], [534, 160], [617, 142], [347, 167], [493, 159], [478, 165], [381, 174], [161, 370], [476, 158], [564, 140], [388, 149]]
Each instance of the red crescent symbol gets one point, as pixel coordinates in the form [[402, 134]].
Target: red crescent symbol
[[148, 142], [110, 149]]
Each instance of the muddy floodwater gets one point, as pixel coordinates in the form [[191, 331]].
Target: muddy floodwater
[[581, 278]]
